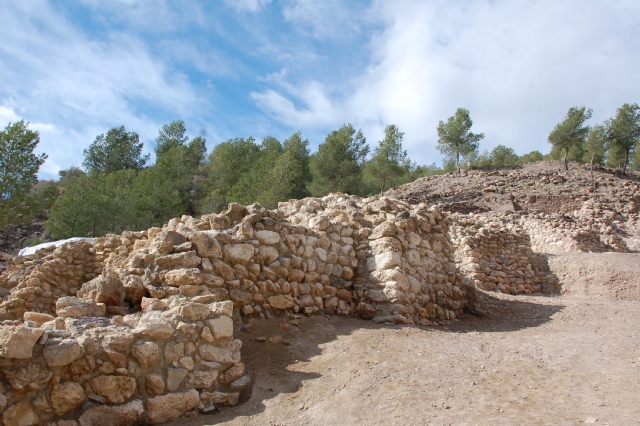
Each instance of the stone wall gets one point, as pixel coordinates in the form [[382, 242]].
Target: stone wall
[[151, 337], [497, 255], [595, 227], [36, 281]]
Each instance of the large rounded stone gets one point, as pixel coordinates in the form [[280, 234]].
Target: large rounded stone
[[66, 397], [116, 389]]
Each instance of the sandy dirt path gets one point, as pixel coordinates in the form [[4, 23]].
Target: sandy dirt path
[[565, 360]]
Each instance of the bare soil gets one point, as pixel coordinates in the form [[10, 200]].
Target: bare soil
[[564, 360], [612, 275]]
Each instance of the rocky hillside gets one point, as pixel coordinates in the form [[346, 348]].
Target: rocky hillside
[[564, 211]]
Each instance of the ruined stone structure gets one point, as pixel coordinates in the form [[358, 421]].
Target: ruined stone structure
[[138, 327]]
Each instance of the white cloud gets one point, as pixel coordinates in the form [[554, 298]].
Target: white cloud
[[52, 73], [246, 5], [324, 19], [516, 66], [7, 115]]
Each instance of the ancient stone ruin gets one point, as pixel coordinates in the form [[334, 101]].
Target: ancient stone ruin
[[139, 327]]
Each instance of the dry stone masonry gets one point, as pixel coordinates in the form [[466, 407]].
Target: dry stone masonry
[[138, 327]]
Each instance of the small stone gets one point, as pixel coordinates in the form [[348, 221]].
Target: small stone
[[238, 253], [121, 415], [169, 407], [233, 373], [20, 414], [222, 328], [61, 352], [18, 342], [154, 384], [146, 353], [116, 389], [66, 397], [175, 376], [107, 290]]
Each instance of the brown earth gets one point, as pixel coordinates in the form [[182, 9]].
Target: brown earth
[[541, 187], [564, 360]]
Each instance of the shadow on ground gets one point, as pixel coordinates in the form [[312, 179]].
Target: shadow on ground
[[274, 366]]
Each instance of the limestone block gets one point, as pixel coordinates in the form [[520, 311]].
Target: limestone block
[[240, 253], [221, 308], [66, 397], [169, 407], [73, 307], [107, 290], [383, 261], [220, 398], [267, 237], [188, 259], [61, 352], [20, 414], [319, 223], [175, 377], [240, 298], [385, 244], [115, 389], [120, 415], [269, 254], [194, 311], [206, 244], [221, 328], [281, 302], [38, 317], [412, 257], [180, 277], [203, 379], [146, 353], [173, 351], [233, 373], [224, 270], [224, 352], [30, 377], [154, 384], [153, 325], [296, 275], [18, 342], [133, 289]]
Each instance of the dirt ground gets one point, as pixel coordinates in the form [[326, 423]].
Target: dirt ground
[[562, 360]]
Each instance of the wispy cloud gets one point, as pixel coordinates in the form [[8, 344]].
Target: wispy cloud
[[517, 66], [246, 5], [325, 19], [53, 73]]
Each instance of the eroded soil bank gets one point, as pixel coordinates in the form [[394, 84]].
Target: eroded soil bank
[[564, 360]]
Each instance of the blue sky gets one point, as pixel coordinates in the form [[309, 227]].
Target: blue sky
[[271, 68]]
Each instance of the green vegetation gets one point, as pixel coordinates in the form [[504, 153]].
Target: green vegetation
[[20, 201], [455, 138], [623, 131], [570, 134], [118, 190]]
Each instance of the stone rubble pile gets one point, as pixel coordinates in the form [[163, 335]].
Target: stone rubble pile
[[595, 227], [138, 327]]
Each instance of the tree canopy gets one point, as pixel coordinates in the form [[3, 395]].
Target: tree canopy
[[455, 138], [571, 132], [18, 172], [337, 166], [389, 160], [623, 131], [118, 150]]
